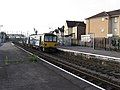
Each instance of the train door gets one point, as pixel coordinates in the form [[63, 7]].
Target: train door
[[40, 41]]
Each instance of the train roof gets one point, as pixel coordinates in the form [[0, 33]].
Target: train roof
[[36, 35], [42, 34], [49, 34]]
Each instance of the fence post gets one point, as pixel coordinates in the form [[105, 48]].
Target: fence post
[[105, 43], [94, 43], [118, 44]]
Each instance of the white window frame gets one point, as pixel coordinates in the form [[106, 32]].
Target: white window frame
[[115, 29], [103, 19], [102, 30], [116, 20]]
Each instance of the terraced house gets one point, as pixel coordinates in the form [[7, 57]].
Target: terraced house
[[104, 24], [74, 29]]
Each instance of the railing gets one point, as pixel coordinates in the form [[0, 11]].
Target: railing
[[112, 43]]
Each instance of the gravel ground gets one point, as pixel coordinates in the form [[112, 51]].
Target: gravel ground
[[18, 73]]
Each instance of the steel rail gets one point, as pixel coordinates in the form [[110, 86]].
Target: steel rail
[[70, 67]]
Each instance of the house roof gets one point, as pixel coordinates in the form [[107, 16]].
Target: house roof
[[110, 13], [115, 12], [74, 23]]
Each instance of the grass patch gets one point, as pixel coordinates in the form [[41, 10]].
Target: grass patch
[[33, 58]]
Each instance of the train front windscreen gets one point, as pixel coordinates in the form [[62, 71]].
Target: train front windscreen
[[51, 38]]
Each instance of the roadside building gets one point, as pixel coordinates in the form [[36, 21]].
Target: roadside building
[[104, 24], [3, 37], [74, 30], [16, 37], [13, 36]]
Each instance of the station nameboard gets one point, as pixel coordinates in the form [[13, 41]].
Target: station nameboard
[[85, 38]]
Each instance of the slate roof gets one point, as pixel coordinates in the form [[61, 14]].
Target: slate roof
[[74, 23], [115, 12], [110, 13]]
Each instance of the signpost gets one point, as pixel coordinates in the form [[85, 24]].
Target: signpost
[[85, 38], [88, 38]]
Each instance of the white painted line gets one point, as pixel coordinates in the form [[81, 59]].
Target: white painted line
[[97, 55], [12, 44], [64, 70], [71, 74]]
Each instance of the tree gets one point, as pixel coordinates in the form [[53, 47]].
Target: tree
[[56, 31], [61, 29], [35, 31]]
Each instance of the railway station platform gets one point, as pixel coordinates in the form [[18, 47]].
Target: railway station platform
[[90, 51], [18, 73]]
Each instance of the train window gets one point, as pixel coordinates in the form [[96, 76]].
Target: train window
[[54, 38], [50, 38], [46, 38]]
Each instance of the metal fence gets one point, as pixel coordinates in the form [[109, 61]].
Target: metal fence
[[112, 43]]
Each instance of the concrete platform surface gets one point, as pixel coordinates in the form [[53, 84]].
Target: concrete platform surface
[[91, 50], [18, 73]]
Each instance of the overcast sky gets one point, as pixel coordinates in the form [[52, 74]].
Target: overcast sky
[[18, 16]]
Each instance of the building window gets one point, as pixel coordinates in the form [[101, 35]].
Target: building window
[[73, 35], [115, 20], [115, 29], [102, 30], [103, 19]]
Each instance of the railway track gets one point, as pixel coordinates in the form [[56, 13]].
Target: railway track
[[86, 73]]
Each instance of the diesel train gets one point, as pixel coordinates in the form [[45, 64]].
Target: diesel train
[[44, 42]]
